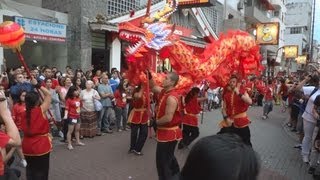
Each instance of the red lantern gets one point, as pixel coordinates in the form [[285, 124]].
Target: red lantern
[[11, 35]]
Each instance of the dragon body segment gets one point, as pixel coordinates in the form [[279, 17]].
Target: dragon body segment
[[233, 52]]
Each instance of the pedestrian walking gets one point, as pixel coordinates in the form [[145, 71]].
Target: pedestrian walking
[[268, 99]]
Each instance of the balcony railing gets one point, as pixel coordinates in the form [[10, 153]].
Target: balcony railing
[[257, 15]]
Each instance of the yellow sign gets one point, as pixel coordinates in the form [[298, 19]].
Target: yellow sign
[[267, 33], [194, 3], [302, 59], [291, 51]]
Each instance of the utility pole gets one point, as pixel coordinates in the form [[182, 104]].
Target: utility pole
[[312, 29]]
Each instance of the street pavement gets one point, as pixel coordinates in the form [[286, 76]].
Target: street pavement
[[107, 158]]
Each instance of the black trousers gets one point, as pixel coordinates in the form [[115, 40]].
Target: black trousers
[[38, 167], [190, 133], [167, 164], [244, 133], [139, 133], [259, 100]]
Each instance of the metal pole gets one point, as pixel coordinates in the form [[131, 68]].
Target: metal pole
[[312, 29]]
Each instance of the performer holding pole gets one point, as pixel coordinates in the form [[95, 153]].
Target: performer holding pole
[[190, 119], [234, 110], [138, 119], [168, 120]]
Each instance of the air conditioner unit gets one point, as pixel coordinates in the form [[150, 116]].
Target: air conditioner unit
[[240, 5]]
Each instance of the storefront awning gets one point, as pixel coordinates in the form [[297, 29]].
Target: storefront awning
[[103, 27]]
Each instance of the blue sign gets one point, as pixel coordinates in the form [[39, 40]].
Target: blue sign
[[42, 30]]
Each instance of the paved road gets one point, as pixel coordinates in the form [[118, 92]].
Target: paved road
[[106, 158]]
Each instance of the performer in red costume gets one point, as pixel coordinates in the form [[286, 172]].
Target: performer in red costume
[[138, 118], [190, 119], [168, 120], [36, 144], [234, 110]]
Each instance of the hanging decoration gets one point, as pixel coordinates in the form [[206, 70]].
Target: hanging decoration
[[12, 37]]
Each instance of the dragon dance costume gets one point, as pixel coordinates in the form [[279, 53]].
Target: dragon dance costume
[[190, 122], [138, 118], [168, 136], [236, 110]]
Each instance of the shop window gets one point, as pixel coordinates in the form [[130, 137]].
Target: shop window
[[248, 2]]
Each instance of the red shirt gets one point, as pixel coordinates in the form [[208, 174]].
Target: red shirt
[[120, 100], [283, 90], [4, 139], [236, 107], [268, 93], [73, 107], [192, 109], [18, 114], [55, 83], [36, 140], [139, 115], [170, 131]]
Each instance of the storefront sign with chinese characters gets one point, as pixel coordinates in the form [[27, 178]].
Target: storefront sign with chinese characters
[[290, 51], [267, 33], [302, 59]]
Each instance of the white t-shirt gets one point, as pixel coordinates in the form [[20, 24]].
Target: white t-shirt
[[87, 99], [307, 115]]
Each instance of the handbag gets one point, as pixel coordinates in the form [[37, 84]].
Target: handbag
[[97, 105]]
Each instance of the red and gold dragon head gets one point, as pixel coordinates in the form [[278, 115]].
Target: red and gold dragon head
[[153, 34]]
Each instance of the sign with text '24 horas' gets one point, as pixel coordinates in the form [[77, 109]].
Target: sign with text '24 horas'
[[42, 30]]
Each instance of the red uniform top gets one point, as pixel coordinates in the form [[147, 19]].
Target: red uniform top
[[250, 87], [55, 83], [236, 108], [268, 95], [283, 90], [4, 139], [36, 140], [191, 110], [139, 113], [18, 114], [73, 106], [120, 100], [170, 131], [260, 86]]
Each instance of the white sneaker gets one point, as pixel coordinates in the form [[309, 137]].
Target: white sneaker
[[70, 147], [23, 163], [305, 159], [61, 134]]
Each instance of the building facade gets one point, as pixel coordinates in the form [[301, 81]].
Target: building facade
[[45, 30], [298, 29]]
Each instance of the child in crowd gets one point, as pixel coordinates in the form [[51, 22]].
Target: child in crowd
[[72, 114]]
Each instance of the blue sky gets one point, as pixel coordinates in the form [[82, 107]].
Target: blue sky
[[317, 22]]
